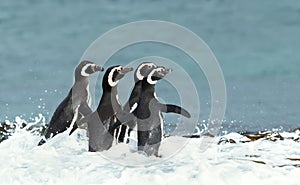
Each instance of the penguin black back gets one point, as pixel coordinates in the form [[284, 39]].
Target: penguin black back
[[100, 122]]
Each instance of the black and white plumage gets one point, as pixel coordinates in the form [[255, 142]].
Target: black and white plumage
[[149, 113], [75, 105], [140, 73], [101, 122]]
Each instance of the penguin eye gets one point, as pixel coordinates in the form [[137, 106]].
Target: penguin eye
[[119, 70]]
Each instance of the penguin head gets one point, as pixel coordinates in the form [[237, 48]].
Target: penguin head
[[114, 74], [86, 68], [157, 74], [143, 70]]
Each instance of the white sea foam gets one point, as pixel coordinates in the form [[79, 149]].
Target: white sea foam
[[65, 160]]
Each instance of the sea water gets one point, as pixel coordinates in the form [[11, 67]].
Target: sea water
[[256, 44]]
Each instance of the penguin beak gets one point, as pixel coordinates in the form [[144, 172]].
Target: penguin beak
[[164, 72], [98, 68], [167, 71], [126, 70]]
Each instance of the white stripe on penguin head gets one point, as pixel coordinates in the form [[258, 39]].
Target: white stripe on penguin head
[[110, 76], [84, 68], [138, 71], [149, 79]]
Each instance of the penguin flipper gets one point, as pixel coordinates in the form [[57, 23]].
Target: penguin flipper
[[60, 120], [75, 126], [59, 114], [61, 109], [174, 109]]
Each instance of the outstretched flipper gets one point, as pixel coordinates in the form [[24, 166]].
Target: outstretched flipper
[[174, 109]]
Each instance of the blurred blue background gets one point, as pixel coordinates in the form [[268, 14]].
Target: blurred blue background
[[257, 44]]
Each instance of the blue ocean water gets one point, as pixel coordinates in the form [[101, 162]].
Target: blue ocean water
[[256, 44]]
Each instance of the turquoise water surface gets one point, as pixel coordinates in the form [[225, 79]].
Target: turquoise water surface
[[256, 44]]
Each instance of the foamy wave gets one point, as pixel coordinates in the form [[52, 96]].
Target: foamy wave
[[8, 128], [66, 160]]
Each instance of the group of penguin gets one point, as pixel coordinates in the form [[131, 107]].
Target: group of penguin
[[111, 122]]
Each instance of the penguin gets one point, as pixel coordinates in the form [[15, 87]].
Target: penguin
[[76, 105], [140, 73], [101, 122], [149, 113]]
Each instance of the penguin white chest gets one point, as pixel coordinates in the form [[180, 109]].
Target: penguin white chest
[[161, 120], [89, 98], [118, 100], [76, 112]]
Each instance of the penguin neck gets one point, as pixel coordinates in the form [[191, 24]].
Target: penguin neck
[[107, 89], [112, 91], [139, 84], [81, 86], [147, 87], [82, 80], [109, 96]]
